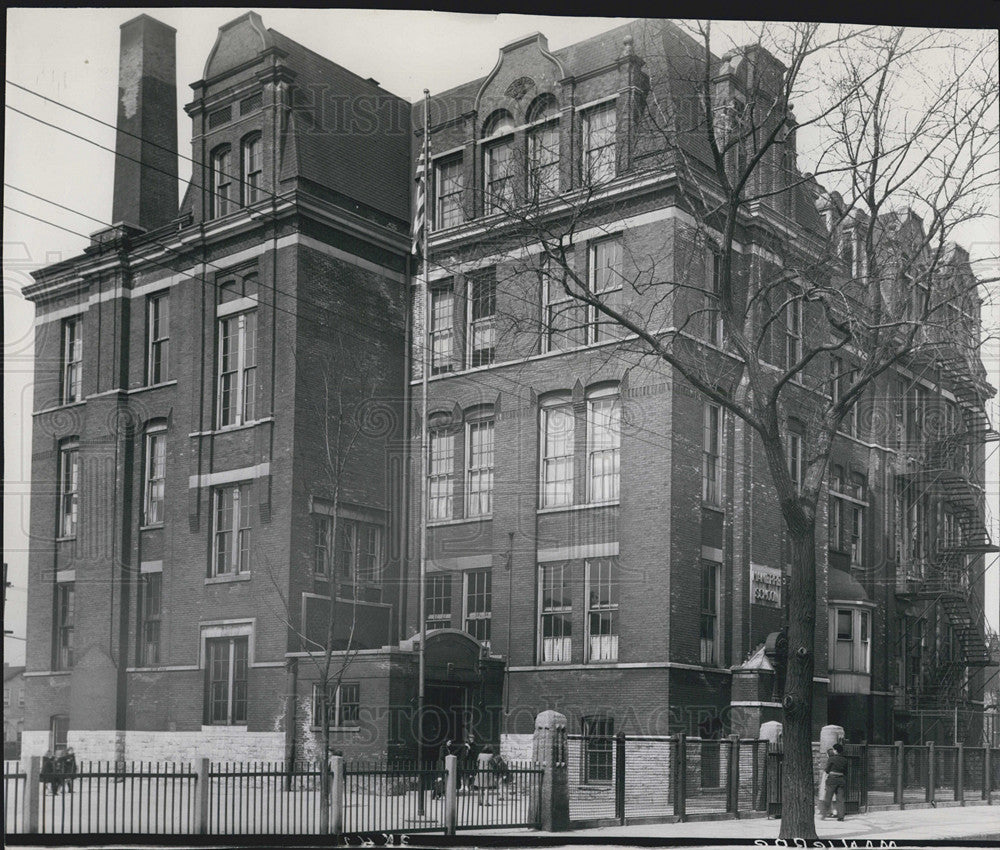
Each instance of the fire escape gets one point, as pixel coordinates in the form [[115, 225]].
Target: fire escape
[[944, 468]]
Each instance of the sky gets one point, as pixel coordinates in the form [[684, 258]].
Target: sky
[[71, 55]]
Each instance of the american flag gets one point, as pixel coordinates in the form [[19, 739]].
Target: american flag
[[420, 211]]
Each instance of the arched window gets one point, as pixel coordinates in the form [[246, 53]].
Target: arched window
[[543, 148], [498, 162], [252, 169], [221, 182]]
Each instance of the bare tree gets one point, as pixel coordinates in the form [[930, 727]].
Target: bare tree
[[341, 408], [774, 278]]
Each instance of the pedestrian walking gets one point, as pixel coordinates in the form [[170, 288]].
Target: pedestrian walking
[[485, 779], [66, 768], [836, 780], [48, 773]]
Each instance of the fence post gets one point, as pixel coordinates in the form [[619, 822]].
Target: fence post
[[549, 750], [336, 795], [987, 776], [32, 793], [960, 773], [900, 773], [733, 803], [680, 793], [201, 797], [450, 794], [620, 777], [931, 778]]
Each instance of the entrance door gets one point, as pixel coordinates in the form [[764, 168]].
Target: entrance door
[[445, 707]]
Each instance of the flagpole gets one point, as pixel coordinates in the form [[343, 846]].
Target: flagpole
[[424, 372]]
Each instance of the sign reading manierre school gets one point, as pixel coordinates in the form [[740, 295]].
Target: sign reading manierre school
[[765, 585]]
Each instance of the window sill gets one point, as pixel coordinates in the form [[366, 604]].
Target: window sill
[[708, 506], [60, 406], [151, 526], [223, 727], [226, 579], [226, 429], [160, 385], [354, 729], [459, 521], [65, 539], [562, 508]]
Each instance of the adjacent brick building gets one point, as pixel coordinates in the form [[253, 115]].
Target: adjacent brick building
[[223, 382]]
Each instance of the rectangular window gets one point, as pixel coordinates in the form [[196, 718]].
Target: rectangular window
[[448, 185], [864, 656], [479, 604], [857, 534], [479, 468], [226, 681], [156, 473], [65, 620], [543, 161], [438, 602], [602, 610], [556, 615], [793, 335], [711, 470], [58, 732], [149, 619], [599, 150], [836, 523], [482, 318], [72, 360], [360, 551], [598, 749], [158, 339], [795, 467], [605, 270], [232, 530], [562, 315], [69, 489], [237, 368], [322, 545], [557, 456], [253, 170], [604, 441], [442, 330], [844, 649], [221, 183], [709, 613], [343, 710], [713, 315], [440, 475], [498, 171]]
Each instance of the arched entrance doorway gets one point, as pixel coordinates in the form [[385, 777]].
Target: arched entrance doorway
[[463, 692]]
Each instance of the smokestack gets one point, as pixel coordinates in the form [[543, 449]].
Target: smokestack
[[146, 146]]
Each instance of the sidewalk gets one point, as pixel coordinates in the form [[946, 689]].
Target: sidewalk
[[944, 822]]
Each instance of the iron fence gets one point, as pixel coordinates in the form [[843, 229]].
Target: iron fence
[[14, 780], [505, 798], [115, 797], [264, 798]]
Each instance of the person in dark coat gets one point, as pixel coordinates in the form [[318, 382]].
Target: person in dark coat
[[66, 768], [467, 758], [447, 749], [836, 780], [48, 772]]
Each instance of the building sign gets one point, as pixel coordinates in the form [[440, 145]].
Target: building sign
[[765, 585]]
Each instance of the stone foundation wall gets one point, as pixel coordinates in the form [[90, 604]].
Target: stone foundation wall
[[220, 743]]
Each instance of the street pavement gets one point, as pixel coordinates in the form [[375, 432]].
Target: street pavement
[[941, 823]]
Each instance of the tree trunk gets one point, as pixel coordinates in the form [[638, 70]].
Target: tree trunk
[[798, 818], [324, 777]]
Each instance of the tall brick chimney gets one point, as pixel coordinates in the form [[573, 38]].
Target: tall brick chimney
[[146, 164]]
